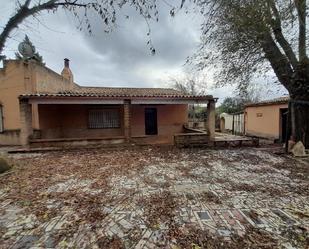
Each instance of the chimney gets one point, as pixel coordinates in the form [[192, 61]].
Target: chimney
[[66, 71], [66, 62]]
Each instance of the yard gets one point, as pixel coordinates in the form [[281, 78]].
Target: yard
[[155, 197]]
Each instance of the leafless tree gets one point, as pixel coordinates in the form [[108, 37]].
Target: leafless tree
[[192, 85]]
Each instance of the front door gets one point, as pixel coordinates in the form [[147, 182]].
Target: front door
[[151, 126]]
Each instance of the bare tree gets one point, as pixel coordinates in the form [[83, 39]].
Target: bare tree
[[248, 37], [107, 10], [192, 85]]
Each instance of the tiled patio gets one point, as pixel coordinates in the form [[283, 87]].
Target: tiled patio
[[155, 198]]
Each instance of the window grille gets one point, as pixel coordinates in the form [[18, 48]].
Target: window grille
[[104, 118], [1, 119]]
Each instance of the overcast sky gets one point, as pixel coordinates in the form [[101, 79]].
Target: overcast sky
[[120, 58]]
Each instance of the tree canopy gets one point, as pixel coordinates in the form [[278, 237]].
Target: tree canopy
[[232, 105], [243, 38]]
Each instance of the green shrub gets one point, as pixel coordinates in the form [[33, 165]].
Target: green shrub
[[4, 165]]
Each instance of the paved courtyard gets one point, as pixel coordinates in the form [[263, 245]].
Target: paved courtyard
[[153, 197]]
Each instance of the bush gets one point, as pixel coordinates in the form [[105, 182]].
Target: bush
[[4, 165]]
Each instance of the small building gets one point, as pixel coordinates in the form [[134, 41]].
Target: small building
[[39, 107], [226, 122], [267, 119]]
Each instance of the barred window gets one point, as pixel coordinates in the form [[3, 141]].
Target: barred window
[[1, 119], [104, 118]]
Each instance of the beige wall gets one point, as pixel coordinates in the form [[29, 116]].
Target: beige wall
[[170, 118], [71, 121], [48, 81], [16, 78], [263, 121]]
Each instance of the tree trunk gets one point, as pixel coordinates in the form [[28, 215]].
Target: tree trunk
[[301, 119], [299, 105]]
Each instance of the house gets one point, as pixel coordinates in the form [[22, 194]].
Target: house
[[267, 119], [40, 107]]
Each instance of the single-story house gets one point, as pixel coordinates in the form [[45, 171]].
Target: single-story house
[[41, 107], [267, 119]]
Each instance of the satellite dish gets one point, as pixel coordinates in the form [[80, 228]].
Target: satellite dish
[[26, 50]]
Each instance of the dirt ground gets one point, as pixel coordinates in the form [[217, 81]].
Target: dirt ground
[[155, 197]]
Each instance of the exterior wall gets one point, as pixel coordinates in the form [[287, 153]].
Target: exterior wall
[[16, 78], [12, 84], [71, 121], [48, 81], [263, 121], [170, 118]]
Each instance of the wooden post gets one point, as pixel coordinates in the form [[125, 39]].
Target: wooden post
[[26, 129], [211, 119], [127, 119]]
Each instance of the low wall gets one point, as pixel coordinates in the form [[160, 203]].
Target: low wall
[[191, 139], [156, 139], [10, 137], [38, 143], [197, 125]]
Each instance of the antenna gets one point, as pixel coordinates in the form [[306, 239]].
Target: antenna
[[26, 50]]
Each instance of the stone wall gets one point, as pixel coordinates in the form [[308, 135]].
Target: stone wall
[[191, 139]]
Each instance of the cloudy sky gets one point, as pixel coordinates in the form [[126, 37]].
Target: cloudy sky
[[120, 58]]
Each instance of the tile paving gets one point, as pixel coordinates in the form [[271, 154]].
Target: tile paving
[[247, 188]]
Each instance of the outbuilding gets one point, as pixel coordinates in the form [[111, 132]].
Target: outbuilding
[[267, 119]]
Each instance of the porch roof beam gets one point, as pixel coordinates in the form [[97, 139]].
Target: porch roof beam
[[167, 101]]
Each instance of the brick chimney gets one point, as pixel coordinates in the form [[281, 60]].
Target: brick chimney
[[66, 71]]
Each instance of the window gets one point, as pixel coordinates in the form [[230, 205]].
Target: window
[[104, 118], [1, 119]]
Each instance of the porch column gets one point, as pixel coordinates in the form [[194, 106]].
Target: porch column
[[127, 119], [26, 129], [211, 119]]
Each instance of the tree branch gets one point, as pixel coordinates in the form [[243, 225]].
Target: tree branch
[[277, 29], [301, 10], [278, 61], [24, 11]]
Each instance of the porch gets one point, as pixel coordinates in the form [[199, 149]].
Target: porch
[[77, 121]]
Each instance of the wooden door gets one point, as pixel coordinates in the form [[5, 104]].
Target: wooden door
[[151, 125]]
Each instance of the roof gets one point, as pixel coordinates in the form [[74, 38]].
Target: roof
[[275, 101], [120, 92]]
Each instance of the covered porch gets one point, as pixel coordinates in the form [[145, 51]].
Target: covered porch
[[86, 120]]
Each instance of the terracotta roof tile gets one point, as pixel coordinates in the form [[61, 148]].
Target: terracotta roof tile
[[280, 100], [120, 92], [126, 91]]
